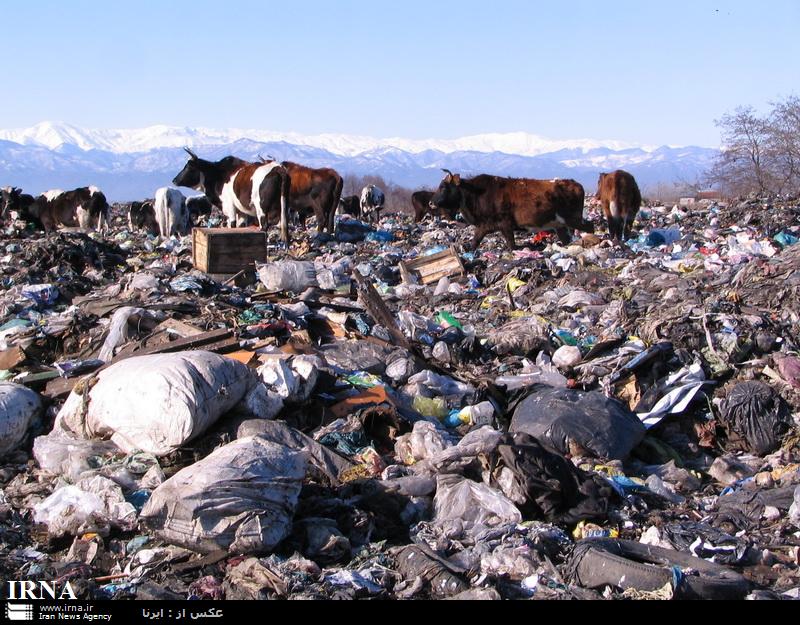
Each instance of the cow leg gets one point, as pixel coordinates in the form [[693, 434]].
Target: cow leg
[[508, 234], [627, 225], [480, 233], [322, 220], [614, 228], [564, 236]]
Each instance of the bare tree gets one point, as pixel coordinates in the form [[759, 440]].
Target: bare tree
[[398, 198], [741, 165], [759, 154], [784, 144]]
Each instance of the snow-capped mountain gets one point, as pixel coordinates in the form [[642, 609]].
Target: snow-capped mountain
[[131, 163]]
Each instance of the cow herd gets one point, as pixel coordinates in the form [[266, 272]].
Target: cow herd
[[273, 193]]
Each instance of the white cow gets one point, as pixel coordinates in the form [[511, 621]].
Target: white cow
[[170, 209]]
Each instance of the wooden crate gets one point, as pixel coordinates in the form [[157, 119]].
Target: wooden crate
[[428, 269], [228, 250]]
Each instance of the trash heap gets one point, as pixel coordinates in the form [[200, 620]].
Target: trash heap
[[378, 414]]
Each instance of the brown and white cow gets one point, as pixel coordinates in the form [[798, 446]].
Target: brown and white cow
[[82, 207], [240, 188], [495, 204], [620, 198], [142, 216], [314, 190]]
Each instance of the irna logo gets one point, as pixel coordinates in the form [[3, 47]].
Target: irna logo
[[40, 590]]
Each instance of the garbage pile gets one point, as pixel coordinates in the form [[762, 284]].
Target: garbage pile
[[379, 414]]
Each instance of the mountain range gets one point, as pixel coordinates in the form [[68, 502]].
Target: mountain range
[[131, 163]]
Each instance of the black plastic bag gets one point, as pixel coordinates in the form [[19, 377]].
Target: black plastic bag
[[558, 417], [755, 417], [553, 488]]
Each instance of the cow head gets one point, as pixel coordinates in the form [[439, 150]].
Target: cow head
[[8, 198], [600, 182], [98, 208], [450, 194], [192, 175]]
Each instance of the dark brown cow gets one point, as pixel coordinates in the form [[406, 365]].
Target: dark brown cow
[[421, 201], [198, 207], [314, 190], [495, 204], [620, 197]]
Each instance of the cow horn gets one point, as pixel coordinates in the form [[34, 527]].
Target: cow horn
[[190, 153], [447, 171]]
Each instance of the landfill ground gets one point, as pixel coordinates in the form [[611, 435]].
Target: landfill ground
[[586, 421]]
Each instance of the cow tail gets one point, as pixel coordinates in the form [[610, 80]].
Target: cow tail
[[337, 194], [284, 222]]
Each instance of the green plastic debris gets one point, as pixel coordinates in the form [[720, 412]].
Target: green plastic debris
[[362, 379], [428, 407], [447, 320]]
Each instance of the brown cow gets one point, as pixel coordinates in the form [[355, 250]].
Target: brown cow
[[619, 195], [495, 204], [316, 190], [421, 201]]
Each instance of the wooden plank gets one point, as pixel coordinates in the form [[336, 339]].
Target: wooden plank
[[221, 340], [10, 358], [178, 327], [432, 268], [377, 309], [243, 356]]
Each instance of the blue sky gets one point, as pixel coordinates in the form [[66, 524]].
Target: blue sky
[[643, 71]]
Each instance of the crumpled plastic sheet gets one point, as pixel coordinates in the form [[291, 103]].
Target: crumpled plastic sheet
[[684, 385]]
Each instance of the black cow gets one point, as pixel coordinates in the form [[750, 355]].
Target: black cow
[[142, 216], [14, 202], [198, 206], [350, 205]]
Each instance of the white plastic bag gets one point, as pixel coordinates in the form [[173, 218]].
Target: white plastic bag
[[19, 408], [424, 441], [157, 403], [240, 498], [92, 505], [288, 275], [121, 322], [61, 454], [461, 506]]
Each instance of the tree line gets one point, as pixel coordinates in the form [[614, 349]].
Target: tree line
[[398, 198], [759, 153]]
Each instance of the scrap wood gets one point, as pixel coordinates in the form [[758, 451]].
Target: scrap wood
[[429, 269], [377, 309], [11, 357], [221, 340]]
